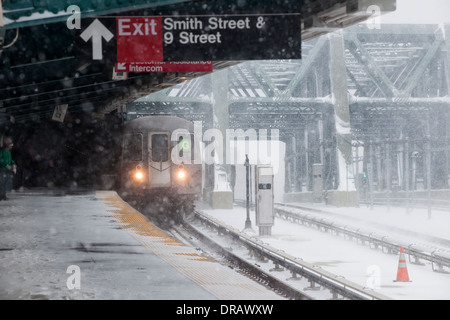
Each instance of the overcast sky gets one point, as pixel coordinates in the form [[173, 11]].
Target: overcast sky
[[419, 11]]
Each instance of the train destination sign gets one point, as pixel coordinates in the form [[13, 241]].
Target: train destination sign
[[208, 38]]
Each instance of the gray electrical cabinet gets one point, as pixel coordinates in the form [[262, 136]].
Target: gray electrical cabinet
[[317, 182], [264, 199]]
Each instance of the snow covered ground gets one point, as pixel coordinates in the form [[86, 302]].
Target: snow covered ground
[[38, 246], [356, 262], [43, 239]]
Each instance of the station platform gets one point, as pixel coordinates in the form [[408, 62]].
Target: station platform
[[93, 245]]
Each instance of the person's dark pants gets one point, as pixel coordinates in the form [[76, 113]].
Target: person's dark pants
[[5, 183]]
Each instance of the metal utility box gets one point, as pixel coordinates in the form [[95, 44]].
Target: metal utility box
[[264, 199], [317, 182]]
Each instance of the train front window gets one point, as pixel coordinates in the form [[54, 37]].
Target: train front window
[[132, 147], [160, 147]]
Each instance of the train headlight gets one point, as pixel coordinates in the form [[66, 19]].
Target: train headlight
[[139, 175], [181, 173]]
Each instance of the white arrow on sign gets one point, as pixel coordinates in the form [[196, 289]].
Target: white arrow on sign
[[121, 66], [96, 31]]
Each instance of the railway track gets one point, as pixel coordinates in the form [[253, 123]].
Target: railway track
[[417, 253], [433, 204], [211, 247], [265, 263]]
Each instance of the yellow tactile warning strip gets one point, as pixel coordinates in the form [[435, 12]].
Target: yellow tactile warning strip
[[219, 280]]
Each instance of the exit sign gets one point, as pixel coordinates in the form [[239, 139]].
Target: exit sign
[[208, 38]]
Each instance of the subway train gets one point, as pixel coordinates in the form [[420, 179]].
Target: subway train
[[161, 167]]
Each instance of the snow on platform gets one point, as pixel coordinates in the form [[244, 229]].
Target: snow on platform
[[357, 262], [120, 256], [94, 246]]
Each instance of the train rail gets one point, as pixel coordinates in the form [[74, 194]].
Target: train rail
[[211, 247], [424, 203], [439, 260], [316, 277]]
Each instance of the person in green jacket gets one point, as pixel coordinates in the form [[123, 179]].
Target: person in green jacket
[[7, 168]]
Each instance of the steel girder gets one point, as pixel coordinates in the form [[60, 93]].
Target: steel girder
[[394, 74]]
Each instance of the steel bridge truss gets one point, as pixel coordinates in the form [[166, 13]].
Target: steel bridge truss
[[397, 84]]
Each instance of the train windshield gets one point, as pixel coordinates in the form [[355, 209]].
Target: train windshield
[[160, 147], [132, 147]]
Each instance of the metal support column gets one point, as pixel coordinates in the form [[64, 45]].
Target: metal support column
[[370, 173], [407, 159], [295, 169], [428, 164], [221, 198], [338, 77], [220, 108], [306, 162], [388, 172]]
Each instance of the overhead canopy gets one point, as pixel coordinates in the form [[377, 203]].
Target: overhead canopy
[[42, 65], [28, 12]]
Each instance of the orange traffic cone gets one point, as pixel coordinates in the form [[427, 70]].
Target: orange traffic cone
[[402, 273]]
